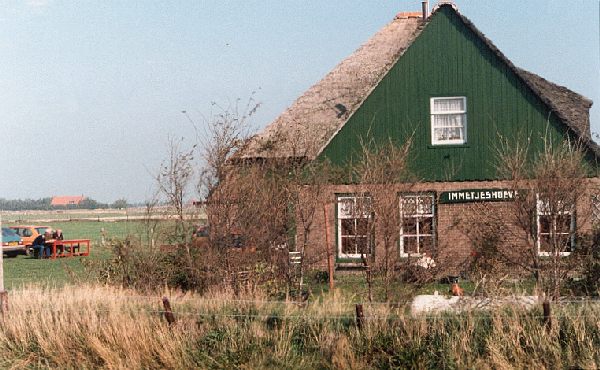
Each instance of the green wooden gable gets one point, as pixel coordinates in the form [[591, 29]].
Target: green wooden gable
[[448, 59]]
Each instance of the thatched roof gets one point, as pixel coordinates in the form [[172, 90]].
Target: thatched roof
[[305, 128], [571, 107]]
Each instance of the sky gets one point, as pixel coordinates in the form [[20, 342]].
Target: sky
[[91, 92]]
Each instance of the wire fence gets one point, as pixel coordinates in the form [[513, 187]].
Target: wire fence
[[457, 316], [319, 311]]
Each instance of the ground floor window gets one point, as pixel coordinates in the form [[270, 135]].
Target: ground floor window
[[559, 223], [354, 218], [417, 224]]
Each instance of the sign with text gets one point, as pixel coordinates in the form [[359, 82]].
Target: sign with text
[[477, 195]]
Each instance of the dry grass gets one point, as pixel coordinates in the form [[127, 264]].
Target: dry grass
[[102, 327]]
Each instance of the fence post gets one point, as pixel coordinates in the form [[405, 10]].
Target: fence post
[[168, 312], [360, 316], [547, 314]]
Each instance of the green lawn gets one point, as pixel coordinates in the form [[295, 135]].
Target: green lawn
[[23, 270]]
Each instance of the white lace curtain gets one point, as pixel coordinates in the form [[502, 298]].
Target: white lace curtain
[[448, 105]]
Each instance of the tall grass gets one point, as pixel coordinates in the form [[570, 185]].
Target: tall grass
[[102, 327]]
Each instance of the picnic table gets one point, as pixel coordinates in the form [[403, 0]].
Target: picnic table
[[68, 248]]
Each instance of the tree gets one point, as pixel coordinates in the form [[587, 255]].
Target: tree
[[223, 135], [383, 167], [174, 178], [120, 203], [537, 232]]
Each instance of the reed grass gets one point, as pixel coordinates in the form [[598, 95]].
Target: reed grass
[[106, 327]]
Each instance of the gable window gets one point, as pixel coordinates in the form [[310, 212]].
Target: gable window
[[558, 226], [353, 224], [448, 120], [417, 227]]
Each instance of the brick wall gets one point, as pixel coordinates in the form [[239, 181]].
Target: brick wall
[[454, 223]]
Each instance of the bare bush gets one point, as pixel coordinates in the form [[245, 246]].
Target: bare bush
[[536, 232], [383, 176]]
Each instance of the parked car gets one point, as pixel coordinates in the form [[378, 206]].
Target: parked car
[[28, 233], [12, 244]]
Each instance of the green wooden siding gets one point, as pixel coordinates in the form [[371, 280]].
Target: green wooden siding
[[448, 59]]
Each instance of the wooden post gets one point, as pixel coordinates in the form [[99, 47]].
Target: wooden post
[[329, 251], [168, 312], [547, 314], [360, 316]]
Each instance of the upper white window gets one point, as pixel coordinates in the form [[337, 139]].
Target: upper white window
[[448, 120], [555, 230], [416, 224], [353, 218]]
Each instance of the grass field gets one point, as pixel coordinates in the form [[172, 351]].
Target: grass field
[[23, 270], [18, 216], [91, 326]]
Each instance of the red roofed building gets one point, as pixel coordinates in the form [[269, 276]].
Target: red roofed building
[[67, 200]]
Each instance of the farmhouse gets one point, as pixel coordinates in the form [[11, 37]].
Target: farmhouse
[[66, 200], [434, 80]]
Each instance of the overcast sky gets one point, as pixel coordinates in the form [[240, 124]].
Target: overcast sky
[[92, 90]]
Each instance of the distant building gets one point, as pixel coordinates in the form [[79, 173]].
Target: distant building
[[67, 200]]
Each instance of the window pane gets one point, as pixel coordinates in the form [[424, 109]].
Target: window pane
[[362, 226], [409, 206], [545, 223], [455, 133], [442, 134], [348, 245], [346, 207], [426, 245], [448, 105], [564, 240], [362, 245], [426, 205], [563, 224], [545, 245], [348, 227], [567, 245], [448, 120], [409, 226], [426, 226], [410, 245]]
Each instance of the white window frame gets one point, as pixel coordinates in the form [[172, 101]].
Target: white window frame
[[463, 127], [342, 214], [420, 214], [540, 212]]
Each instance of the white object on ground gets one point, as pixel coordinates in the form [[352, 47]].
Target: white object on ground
[[439, 303]]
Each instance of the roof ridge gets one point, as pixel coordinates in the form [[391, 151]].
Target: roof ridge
[[578, 95]]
